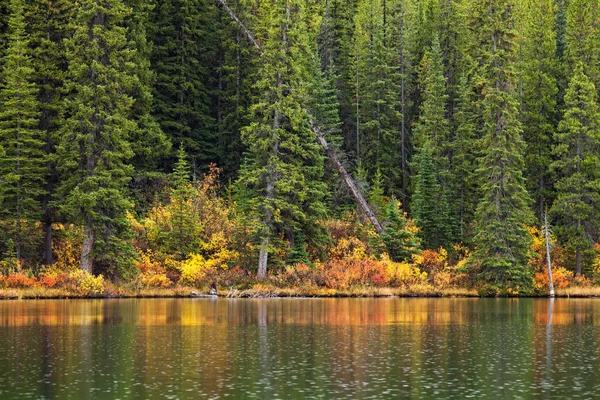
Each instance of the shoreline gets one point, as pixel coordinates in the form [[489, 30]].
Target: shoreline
[[271, 292]]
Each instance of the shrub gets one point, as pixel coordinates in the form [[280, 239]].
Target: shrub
[[85, 284], [402, 273], [53, 277], [431, 261], [155, 280], [193, 270], [19, 280]]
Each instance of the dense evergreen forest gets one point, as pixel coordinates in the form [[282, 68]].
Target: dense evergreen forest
[[153, 141]]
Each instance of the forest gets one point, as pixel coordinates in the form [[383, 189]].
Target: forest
[[149, 146]]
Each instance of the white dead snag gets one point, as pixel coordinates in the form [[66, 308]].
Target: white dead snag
[[547, 235], [348, 180]]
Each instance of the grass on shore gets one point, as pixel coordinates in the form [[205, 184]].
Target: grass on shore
[[257, 290], [579, 291]]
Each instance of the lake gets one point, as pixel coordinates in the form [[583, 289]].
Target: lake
[[300, 348]]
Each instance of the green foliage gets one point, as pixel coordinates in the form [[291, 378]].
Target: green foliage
[[430, 206], [463, 164]]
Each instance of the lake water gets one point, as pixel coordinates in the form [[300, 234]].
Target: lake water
[[294, 349]]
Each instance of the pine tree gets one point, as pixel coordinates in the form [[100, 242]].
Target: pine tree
[[583, 36], [285, 166], [22, 168], [95, 144], [183, 42], [376, 103], [400, 242], [185, 235], [430, 203], [578, 167], [501, 239], [463, 164], [540, 90], [49, 26]]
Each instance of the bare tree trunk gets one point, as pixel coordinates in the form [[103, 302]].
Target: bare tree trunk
[[87, 262], [263, 257], [547, 234]]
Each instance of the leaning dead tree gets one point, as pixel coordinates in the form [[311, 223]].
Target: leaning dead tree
[[331, 153]]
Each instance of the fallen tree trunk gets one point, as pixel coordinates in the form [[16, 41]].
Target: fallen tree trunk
[[348, 180], [362, 202]]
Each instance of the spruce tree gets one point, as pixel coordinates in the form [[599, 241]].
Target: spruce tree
[[22, 163], [501, 238], [583, 36], [233, 96], [377, 110], [95, 144], [431, 139], [463, 163], [400, 242], [285, 166], [430, 203], [540, 90], [432, 125], [184, 237], [577, 149], [182, 33], [49, 25], [150, 145]]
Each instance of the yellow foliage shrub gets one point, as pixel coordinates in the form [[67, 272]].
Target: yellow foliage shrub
[[402, 273], [219, 252], [86, 284], [193, 270]]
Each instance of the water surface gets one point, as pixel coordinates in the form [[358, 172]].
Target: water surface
[[294, 349]]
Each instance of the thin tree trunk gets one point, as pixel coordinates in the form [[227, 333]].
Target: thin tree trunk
[[87, 261], [547, 234]]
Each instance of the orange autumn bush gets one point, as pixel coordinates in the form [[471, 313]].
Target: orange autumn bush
[[431, 261], [18, 280], [53, 277], [561, 278]]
